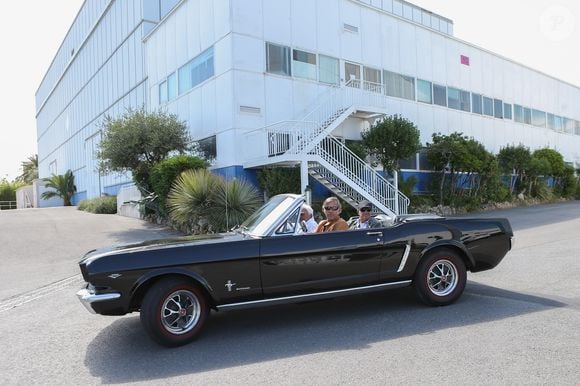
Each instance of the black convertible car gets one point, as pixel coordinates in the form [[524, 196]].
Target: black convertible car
[[267, 260]]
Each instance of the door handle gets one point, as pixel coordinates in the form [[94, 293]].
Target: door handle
[[374, 233]]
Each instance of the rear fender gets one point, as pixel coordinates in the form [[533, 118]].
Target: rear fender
[[453, 244]]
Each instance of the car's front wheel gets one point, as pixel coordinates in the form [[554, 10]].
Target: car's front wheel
[[173, 312], [440, 278]]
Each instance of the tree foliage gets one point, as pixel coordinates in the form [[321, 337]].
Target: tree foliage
[[29, 170], [391, 139], [205, 202], [138, 140], [63, 186], [515, 161], [279, 180]]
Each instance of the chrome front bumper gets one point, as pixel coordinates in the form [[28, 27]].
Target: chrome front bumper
[[88, 297]]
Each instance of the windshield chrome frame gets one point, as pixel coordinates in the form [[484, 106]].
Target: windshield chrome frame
[[271, 228]]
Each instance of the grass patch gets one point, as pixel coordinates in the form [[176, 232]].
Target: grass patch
[[99, 205]]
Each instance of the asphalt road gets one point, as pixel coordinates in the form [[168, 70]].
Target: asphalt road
[[516, 324]]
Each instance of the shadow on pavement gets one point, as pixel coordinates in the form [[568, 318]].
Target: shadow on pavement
[[122, 352]]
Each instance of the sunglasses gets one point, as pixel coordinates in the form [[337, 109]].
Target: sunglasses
[[365, 209], [331, 208]]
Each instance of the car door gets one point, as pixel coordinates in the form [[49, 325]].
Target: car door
[[315, 262]]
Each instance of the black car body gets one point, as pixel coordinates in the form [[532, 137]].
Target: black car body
[[174, 282]]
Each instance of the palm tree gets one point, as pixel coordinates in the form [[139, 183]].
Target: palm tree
[[63, 185], [29, 170], [204, 199]]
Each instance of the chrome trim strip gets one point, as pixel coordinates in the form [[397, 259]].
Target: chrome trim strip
[[317, 295], [404, 259], [87, 298]]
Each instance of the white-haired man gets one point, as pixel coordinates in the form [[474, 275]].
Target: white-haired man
[[307, 215]]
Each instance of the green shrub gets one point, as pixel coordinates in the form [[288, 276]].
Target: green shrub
[[165, 172], [99, 205]]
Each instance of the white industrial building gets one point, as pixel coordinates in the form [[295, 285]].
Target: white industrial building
[[287, 82]]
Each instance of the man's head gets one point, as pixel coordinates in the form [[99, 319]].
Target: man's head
[[332, 208], [365, 209], [306, 212]]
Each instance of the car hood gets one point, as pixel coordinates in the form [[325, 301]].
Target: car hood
[[150, 245]]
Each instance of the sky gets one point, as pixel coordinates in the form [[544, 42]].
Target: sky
[[542, 34]]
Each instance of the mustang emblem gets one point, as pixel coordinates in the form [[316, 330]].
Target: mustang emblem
[[229, 285]]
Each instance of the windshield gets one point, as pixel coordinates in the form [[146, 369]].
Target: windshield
[[259, 223]]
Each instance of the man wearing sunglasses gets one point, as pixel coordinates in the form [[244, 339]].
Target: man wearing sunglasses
[[364, 219], [332, 208]]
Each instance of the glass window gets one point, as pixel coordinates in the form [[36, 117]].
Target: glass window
[[453, 98], [498, 108], [304, 64], [352, 74], [423, 161], [518, 113], [424, 92], [398, 85], [409, 163], [328, 69], [488, 106], [277, 59], [196, 71], [207, 148], [538, 118], [577, 125], [464, 103], [163, 92], [568, 125], [558, 123], [372, 79], [172, 86], [551, 121], [439, 95], [527, 115], [507, 111], [476, 103]]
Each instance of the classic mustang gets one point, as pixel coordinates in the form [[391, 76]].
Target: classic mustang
[[268, 260]]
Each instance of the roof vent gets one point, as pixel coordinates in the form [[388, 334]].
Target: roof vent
[[351, 28]]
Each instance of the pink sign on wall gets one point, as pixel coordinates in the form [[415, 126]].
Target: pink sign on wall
[[465, 60]]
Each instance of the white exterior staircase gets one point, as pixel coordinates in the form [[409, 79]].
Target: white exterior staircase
[[329, 161]]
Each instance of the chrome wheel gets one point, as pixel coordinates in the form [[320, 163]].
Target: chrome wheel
[[180, 312], [442, 277]]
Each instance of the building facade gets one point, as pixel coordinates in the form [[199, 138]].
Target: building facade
[[289, 82]]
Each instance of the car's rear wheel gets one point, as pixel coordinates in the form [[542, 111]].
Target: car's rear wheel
[[440, 278], [174, 311]]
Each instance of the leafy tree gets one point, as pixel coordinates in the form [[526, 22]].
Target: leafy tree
[[390, 140], [138, 140], [514, 160], [554, 158], [444, 153], [204, 200], [165, 172], [279, 180], [63, 185], [29, 170]]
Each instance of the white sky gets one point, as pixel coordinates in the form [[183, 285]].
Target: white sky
[[543, 34]]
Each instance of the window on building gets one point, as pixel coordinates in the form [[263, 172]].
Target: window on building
[[439, 95], [409, 163], [507, 111], [551, 122], [498, 108], [423, 161], [518, 113], [196, 71], [464, 102], [398, 85], [277, 59], [304, 64], [538, 118], [577, 127], [172, 86], [476, 103], [453, 98], [568, 125], [163, 92], [527, 115], [557, 123], [352, 74], [207, 147], [487, 106], [424, 91], [328, 69], [372, 79]]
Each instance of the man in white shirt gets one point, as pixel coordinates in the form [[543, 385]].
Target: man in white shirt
[[306, 215]]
